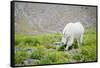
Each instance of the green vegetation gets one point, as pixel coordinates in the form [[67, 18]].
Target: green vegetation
[[44, 50]]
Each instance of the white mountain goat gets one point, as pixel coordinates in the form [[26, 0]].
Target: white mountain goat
[[72, 31]]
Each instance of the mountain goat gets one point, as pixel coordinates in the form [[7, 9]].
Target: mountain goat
[[72, 31]]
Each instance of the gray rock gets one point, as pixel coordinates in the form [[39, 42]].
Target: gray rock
[[29, 51], [29, 61], [17, 49]]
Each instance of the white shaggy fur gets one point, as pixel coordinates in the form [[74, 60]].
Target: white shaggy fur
[[72, 31]]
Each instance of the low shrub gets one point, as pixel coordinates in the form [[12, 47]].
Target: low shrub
[[44, 50], [86, 54], [20, 56], [38, 52]]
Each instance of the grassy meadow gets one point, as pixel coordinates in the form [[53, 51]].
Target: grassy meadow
[[40, 49]]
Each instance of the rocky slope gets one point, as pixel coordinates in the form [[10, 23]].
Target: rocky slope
[[35, 18]]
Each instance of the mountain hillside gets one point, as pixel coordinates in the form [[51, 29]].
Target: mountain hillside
[[35, 18]]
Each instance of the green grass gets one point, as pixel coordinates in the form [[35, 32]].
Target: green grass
[[20, 56], [44, 50]]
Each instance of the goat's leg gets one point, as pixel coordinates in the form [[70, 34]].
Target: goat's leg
[[78, 42], [69, 43], [81, 38]]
